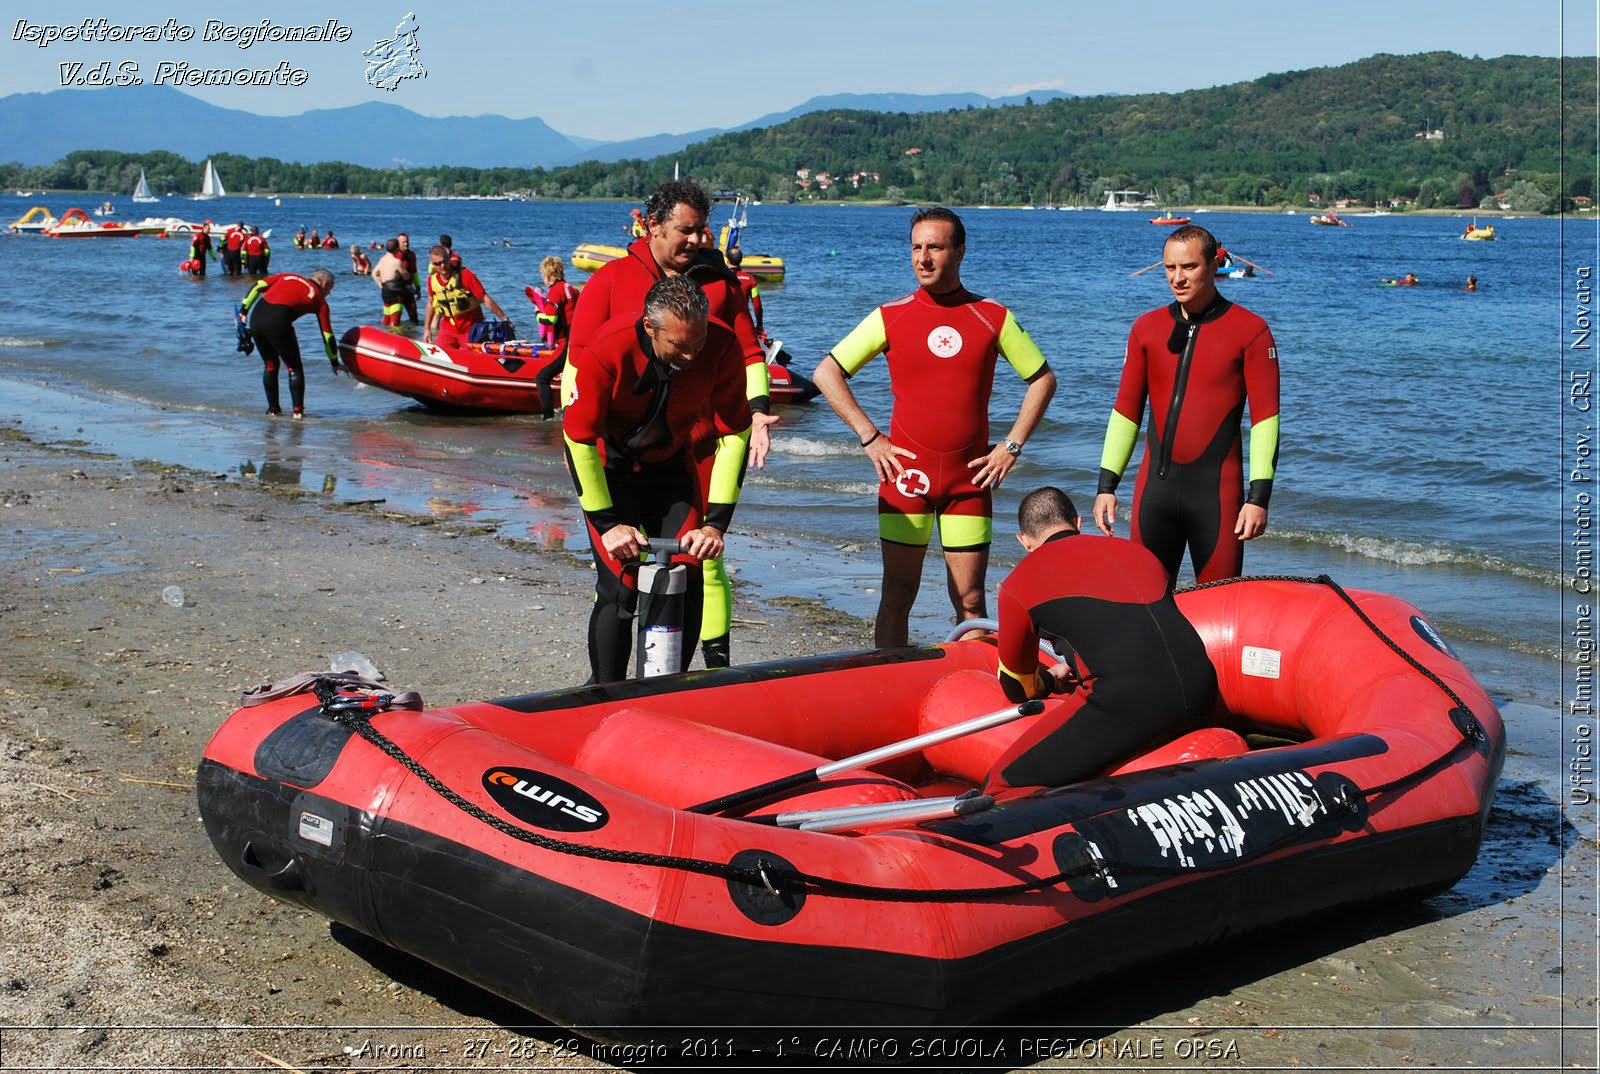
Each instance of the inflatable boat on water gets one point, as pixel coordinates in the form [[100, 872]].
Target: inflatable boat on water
[[491, 377], [495, 377], [589, 256], [588, 853]]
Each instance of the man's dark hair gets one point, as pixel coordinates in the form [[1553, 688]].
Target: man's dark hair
[[938, 212], [445, 241], [1196, 233], [672, 193], [679, 296], [1044, 509], [392, 246], [734, 256]]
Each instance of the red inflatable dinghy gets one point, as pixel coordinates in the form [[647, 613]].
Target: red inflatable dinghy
[[490, 376], [556, 848]]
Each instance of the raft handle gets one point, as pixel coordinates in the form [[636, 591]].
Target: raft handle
[[287, 878]]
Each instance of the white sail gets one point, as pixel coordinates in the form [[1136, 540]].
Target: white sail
[[212, 187], [142, 191]]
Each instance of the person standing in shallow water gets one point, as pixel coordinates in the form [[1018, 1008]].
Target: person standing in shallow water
[[271, 308], [1199, 361]]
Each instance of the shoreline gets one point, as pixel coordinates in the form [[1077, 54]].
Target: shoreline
[[1280, 209], [117, 912]]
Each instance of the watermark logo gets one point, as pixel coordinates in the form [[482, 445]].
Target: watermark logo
[[392, 61]]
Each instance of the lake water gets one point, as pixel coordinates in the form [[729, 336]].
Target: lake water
[[1420, 444]]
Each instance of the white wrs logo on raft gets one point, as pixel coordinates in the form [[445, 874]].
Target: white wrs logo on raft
[[944, 342], [544, 801], [913, 483]]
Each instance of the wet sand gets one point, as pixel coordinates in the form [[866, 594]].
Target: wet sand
[[128, 945]]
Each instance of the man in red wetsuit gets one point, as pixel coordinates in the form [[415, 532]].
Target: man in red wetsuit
[[675, 215], [455, 300], [1136, 668], [233, 250], [271, 308], [677, 243], [257, 254], [1199, 360], [936, 462], [637, 391]]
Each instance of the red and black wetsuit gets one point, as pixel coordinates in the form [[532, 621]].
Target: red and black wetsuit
[[1198, 375], [1104, 604], [256, 254], [628, 427], [199, 247], [273, 306], [233, 252]]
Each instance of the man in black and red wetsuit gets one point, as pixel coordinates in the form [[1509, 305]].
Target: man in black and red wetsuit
[[1137, 669], [271, 308], [936, 464], [233, 250], [638, 389], [675, 243], [1199, 360], [258, 255]]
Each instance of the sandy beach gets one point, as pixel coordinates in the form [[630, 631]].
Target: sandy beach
[[129, 945]]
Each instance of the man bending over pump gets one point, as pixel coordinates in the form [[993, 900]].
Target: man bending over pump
[[1138, 670]]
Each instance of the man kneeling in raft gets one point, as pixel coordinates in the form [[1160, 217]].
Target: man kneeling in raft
[[1137, 669]]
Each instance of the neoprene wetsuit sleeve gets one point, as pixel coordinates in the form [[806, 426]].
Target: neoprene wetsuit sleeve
[[1019, 349], [325, 322], [1018, 669], [1122, 430], [255, 292], [865, 342], [1261, 389], [758, 382], [587, 395], [731, 419]]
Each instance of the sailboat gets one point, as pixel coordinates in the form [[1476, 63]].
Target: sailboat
[[141, 193], [212, 187]]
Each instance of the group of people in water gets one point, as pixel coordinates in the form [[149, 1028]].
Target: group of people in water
[[316, 240], [243, 249]]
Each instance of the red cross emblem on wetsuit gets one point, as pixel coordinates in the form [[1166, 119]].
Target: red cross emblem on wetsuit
[[944, 342], [913, 483]]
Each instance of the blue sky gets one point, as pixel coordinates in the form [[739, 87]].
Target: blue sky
[[612, 69]]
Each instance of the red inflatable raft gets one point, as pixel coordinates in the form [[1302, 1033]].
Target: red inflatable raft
[[543, 846], [496, 377], [492, 377]]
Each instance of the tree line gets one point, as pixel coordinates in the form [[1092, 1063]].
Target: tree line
[[1298, 138]]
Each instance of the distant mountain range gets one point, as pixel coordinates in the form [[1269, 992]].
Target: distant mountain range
[[39, 128]]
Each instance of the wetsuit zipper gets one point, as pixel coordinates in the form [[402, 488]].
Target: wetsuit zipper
[[1180, 382]]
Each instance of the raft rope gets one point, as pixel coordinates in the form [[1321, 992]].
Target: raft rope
[[773, 877]]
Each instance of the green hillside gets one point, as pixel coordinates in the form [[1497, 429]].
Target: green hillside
[[1340, 132]]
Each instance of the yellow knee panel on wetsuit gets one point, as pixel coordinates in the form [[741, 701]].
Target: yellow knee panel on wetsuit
[[965, 531], [905, 529]]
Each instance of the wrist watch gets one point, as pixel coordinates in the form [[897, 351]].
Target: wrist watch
[[1012, 447]]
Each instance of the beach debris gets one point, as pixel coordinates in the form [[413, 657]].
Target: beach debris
[[174, 595], [351, 660]]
